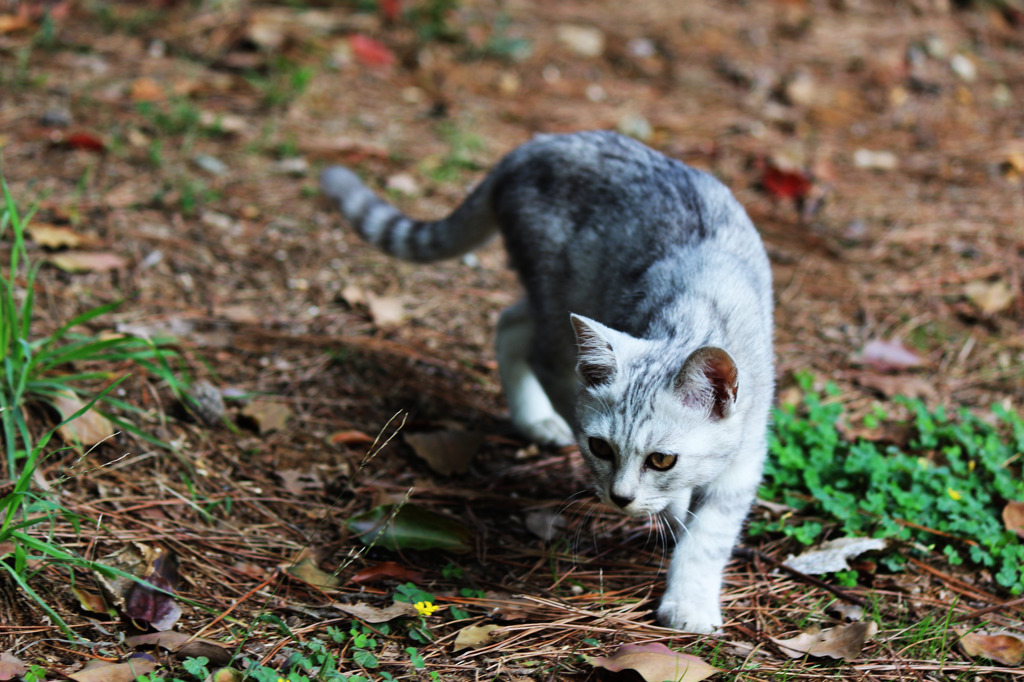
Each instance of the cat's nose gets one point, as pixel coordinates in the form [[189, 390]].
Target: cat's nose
[[621, 500]]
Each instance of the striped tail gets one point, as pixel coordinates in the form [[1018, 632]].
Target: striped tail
[[390, 230]]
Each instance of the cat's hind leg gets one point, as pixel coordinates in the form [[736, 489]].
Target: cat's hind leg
[[529, 406]]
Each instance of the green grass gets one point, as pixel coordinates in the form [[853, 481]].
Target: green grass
[[944, 489], [43, 368], [40, 369]]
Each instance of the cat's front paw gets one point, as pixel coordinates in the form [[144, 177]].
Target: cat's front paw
[[551, 430], [690, 617]]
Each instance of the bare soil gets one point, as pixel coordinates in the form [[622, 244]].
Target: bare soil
[[898, 126]]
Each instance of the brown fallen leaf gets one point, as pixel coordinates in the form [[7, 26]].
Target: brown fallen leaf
[[386, 311], [351, 437], [55, 236], [373, 614], [11, 667], [842, 641], [88, 261], [446, 452], [299, 482], [989, 297], [1002, 647], [891, 385], [104, 671], [89, 428], [267, 415], [15, 22], [91, 601], [307, 571], [474, 637], [147, 90], [386, 570], [183, 645], [1013, 517], [655, 663]]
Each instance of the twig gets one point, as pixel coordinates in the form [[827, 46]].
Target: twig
[[750, 554], [989, 609]]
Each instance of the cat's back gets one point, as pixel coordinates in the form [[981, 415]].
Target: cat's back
[[557, 189]]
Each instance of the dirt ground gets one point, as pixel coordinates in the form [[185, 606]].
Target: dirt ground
[[878, 146]]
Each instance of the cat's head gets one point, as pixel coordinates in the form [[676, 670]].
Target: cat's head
[[650, 423]]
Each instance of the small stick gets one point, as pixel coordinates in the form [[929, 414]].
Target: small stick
[[749, 554], [989, 609]]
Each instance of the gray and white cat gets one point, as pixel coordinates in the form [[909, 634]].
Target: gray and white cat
[[644, 336]]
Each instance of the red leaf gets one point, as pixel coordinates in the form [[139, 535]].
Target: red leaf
[[388, 569], [785, 184], [370, 52], [86, 141], [390, 9]]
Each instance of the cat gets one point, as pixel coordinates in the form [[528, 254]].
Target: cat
[[644, 335]]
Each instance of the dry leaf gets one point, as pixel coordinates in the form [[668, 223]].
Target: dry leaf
[[15, 22], [183, 645], [370, 52], [656, 663], [842, 641], [473, 637], [267, 415], [386, 311], [545, 524], [832, 555], [907, 385], [88, 429], [54, 236], [1002, 647], [351, 437], [446, 452], [11, 667], [373, 614], [990, 297], [308, 572], [88, 261], [1013, 517], [147, 90], [886, 355], [104, 671], [389, 570], [299, 482], [91, 601]]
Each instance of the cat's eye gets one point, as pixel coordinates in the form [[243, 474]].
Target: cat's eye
[[601, 449], [659, 461]]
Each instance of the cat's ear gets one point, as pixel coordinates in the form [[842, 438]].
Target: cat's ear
[[708, 378], [596, 360]]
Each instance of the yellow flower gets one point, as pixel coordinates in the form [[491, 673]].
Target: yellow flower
[[954, 494], [425, 608]]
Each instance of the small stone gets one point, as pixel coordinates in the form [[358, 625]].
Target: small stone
[[586, 41], [595, 93], [963, 67], [1002, 96], [875, 160], [210, 164], [936, 47], [404, 183], [205, 402], [509, 83], [800, 89], [635, 126], [641, 48], [57, 117], [297, 166]]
